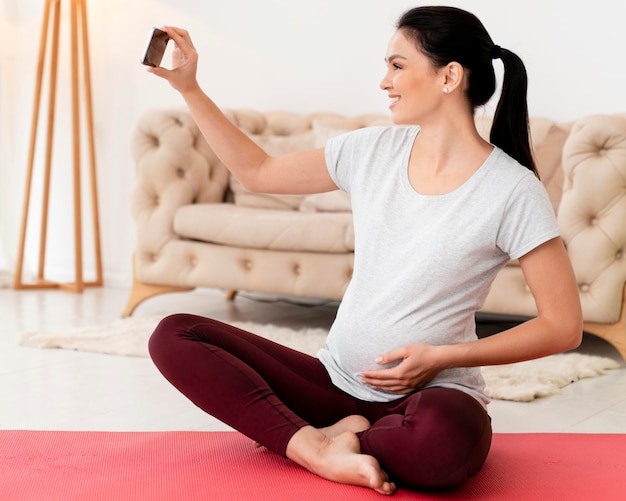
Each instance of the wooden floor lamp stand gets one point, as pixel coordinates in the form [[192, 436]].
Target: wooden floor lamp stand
[[79, 45]]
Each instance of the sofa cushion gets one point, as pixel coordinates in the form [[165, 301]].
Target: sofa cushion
[[273, 145], [249, 227], [246, 198], [331, 201]]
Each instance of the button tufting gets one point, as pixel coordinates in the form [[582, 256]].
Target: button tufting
[[180, 172], [584, 287]]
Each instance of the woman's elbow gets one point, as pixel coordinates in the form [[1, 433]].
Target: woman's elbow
[[573, 338], [570, 330]]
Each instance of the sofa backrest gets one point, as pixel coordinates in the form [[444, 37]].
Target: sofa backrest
[[592, 214], [583, 165]]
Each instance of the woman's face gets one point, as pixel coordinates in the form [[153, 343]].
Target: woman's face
[[414, 86]]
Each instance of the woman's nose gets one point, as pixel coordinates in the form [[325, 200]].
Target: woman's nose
[[385, 83]]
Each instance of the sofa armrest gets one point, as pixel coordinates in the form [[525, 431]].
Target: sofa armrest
[[592, 213], [174, 167]]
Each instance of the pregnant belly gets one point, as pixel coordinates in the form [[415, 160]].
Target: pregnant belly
[[356, 352]]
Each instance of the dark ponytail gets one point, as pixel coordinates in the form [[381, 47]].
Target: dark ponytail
[[447, 34], [509, 130]]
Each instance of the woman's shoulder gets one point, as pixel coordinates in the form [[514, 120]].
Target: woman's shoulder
[[508, 178], [506, 166]]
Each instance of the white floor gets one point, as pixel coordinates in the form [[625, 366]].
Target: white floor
[[66, 390]]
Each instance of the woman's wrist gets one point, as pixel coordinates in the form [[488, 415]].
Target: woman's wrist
[[450, 356], [192, 92]]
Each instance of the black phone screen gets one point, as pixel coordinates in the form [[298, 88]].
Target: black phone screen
[[155, 48]]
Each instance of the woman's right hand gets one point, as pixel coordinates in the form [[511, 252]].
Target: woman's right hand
[[182, 76]]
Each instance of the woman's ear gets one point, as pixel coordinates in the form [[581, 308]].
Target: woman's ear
[[453, 75]]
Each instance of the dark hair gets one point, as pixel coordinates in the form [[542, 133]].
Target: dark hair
[[447, 34]]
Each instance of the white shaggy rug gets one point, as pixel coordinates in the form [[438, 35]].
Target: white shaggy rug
[[520, 382]]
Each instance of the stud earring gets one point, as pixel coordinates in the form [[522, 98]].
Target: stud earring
[[445, 90]]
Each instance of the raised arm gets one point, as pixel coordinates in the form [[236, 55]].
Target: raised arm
[[304, 172]]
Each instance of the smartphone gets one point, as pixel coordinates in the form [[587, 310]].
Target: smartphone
[[157, 42]]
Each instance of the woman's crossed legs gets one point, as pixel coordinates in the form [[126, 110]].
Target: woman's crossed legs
[[284, 400]]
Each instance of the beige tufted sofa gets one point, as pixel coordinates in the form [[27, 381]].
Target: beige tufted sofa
[[196, 226]]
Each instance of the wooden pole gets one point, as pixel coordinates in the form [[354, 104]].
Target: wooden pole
[[92, 149], [78, 45], [17, 280]]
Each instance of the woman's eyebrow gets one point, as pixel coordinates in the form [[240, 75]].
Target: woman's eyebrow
[[393, 57]]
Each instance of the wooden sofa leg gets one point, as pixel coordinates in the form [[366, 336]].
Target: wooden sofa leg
[[139, 292], [615, 333], [231, 295]]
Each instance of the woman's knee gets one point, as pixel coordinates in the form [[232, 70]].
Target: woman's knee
[[440, 441], [166, 334], [457, 447]]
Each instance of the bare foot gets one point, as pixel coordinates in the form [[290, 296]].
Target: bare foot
[[338, 458], [354, 424]]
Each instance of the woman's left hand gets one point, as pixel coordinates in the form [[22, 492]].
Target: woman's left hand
[[419, 364]]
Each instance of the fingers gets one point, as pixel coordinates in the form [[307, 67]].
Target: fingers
[[384, 374], [404, 369], [379, 375], [181, 37], [182, 75], [161, 73], [385, 379], [158, 71], [392, 356], [396, 386], [393, 379]]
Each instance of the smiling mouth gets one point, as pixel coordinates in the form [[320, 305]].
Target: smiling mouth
[[394, 100]]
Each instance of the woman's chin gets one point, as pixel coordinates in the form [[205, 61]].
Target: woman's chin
[[399, 119]]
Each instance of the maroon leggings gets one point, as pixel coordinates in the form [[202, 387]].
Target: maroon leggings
[[434, 438]]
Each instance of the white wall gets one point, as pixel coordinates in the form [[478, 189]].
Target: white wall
[[270, 54]]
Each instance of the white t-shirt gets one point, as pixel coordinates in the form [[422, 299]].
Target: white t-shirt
[[423, 264]]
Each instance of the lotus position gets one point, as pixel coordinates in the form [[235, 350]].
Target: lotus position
[[396, 395]]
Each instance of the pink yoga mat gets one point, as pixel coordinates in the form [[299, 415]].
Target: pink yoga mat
[[224, 466]]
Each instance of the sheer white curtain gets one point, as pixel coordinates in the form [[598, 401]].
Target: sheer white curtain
[[17, 69], [6, 149]]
